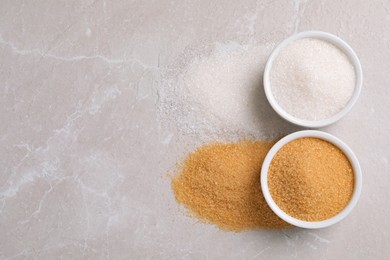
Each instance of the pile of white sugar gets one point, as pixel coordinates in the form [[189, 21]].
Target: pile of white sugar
[[312, 79], [220, 95]]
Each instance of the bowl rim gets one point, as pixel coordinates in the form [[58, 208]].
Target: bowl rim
[[343, 46], [327, 137]]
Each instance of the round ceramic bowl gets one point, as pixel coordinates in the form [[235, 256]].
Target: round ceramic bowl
[[343, 46], [327, 137]]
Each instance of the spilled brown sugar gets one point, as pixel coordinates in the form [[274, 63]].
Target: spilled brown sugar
[[311, 179], [220, 183]]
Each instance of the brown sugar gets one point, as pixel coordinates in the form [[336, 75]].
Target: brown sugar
[[311, 179], [220, 183]]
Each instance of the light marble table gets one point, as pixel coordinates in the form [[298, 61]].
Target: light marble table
[[84, 156]]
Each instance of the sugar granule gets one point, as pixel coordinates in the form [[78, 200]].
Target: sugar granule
[[312, 79], [311, 179], [220, 184]]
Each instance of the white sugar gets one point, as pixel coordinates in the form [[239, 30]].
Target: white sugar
[[312, 79], [221, 94]]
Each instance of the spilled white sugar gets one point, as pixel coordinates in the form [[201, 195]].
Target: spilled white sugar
[[312, 79], [221, 94]]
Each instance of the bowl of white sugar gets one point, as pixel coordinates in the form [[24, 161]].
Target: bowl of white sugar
[[313, 79]]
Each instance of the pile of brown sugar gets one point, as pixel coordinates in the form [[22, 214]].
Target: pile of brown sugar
[[311, 179], [220, 183]]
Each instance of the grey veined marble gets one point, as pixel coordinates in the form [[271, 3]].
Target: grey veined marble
[[84, 154]]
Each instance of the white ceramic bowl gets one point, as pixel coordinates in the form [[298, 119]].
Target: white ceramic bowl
[[342, 45], [327, 137]]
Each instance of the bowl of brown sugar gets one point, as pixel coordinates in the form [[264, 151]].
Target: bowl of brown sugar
[[311, 179]]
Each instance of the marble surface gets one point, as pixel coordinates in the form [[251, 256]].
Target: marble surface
[[84, 154]]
